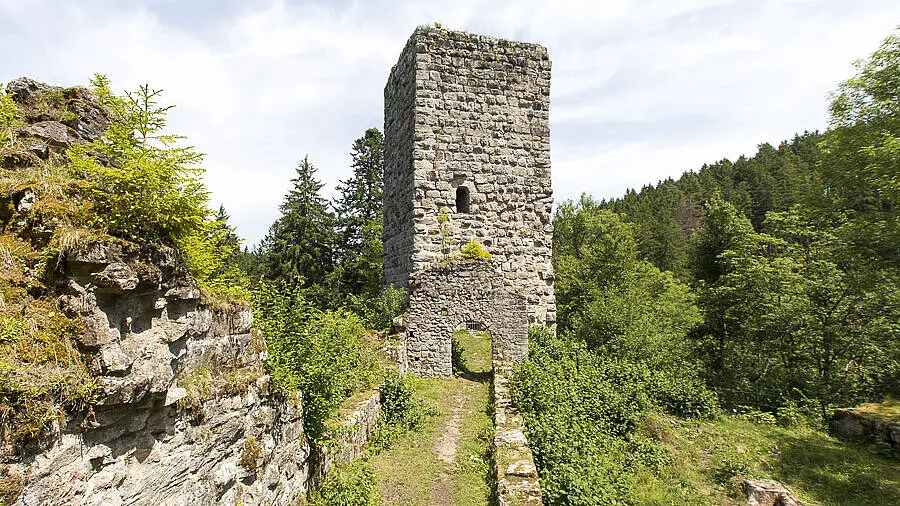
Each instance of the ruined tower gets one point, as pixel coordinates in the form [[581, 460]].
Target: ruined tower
[[467, 137]]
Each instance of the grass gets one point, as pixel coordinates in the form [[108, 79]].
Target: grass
[[710, 458], [410, 471], [887, 410]]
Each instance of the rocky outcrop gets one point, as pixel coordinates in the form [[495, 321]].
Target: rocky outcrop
[[768, 493], [177, 408], [58, 116], [184, 414], [854, 424]]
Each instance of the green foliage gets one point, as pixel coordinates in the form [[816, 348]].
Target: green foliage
[[42, 373], [612, 300], [11, 485], [317, 353], [377, 312], [251, 453], [211, 256], [10, 118], [400, 412], [445, 228], [351, 484], [298, 247], [458, 361], [148, 188], [473, 250], [581, 413], [789, 318], [861, 156], [359, 218]]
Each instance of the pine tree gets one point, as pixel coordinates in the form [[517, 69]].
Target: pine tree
[[298, 247]]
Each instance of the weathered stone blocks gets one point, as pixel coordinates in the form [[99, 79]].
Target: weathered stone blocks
[[468, 114]]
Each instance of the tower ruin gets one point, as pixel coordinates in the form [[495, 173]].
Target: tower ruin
[[467, 156]]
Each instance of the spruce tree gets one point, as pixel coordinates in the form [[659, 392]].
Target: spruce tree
[[298, 247], [359, 212]]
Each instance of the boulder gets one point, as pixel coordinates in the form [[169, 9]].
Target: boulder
[[768, 493], [116, 277], [854, 424]]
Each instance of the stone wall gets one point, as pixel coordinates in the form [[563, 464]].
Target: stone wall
[[514, 468], [446, 296], [349, 438], [468, 111]]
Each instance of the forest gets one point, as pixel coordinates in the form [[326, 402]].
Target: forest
[[708, 325]]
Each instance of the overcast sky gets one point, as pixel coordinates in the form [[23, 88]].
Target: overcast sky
[[641, 89]]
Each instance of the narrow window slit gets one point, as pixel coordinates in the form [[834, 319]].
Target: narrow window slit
[[462, 200]]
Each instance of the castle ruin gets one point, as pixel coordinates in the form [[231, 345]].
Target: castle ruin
[[467, 156]]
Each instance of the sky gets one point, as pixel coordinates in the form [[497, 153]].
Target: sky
[[641, 90]]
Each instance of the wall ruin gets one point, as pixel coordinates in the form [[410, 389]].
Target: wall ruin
[[445, 297]]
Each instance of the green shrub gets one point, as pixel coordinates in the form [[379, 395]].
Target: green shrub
[[151, 188], [582, 410], [351, 484], [10, 118], [319, 354], [400, 412], [209, 255], [377, 313], [473, 250]]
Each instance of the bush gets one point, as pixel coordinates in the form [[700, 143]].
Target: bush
[[319, 354], [378, 313], [10, 118], [400, 412], [351, 484], [582, 410], [472, 250]]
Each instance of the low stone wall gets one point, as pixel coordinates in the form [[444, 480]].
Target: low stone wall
[[514, 468], [350, 437]]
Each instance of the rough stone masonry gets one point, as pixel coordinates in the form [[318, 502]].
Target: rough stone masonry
[[467, 136]]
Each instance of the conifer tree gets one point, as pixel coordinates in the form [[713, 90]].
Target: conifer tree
[[298, 247], [359, 213]]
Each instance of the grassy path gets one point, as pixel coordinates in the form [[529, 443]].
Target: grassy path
[[447, 461]]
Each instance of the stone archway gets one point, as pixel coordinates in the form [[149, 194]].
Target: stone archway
[[443, 296]]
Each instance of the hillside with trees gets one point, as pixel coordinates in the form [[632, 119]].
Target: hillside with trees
[[709, 326]]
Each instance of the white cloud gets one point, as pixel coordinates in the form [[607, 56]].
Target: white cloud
[[641, 89]]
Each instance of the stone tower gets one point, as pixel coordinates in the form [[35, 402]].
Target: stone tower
[[467, 135]]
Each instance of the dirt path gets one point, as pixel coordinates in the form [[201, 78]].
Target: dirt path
[[446, 445], [446, 462]]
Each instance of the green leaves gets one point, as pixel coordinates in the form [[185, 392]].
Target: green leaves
[[10, 118], [582, 409], [145, 187], [318, 354]]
